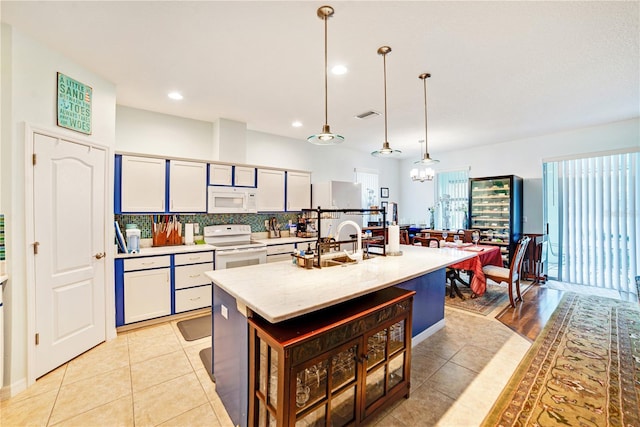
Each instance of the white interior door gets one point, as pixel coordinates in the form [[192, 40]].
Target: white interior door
[[69, 215]]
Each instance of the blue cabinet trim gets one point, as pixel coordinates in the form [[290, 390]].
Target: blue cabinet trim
[[117, 187], [119, 276]]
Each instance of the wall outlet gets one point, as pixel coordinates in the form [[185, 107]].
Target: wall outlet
[[524, 219], [224, 311]]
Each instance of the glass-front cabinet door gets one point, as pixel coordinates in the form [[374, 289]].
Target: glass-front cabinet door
[[385, 361], [495, 205], [326, 388]]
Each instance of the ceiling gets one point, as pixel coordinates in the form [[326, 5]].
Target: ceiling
[[501, 71]]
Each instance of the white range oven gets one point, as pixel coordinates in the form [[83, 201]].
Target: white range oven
[[233, 246]]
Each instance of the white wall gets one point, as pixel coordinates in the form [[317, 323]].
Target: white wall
[[146, 132], [335, 163], [523, 158], [29, 96]]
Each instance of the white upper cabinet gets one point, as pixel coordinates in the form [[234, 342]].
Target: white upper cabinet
[[244, 176], [238, 176], [298, 191], [270, 190], [143, 184], [220, 174], [187, 186]]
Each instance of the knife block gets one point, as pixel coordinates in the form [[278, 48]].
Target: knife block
[[161, 238]]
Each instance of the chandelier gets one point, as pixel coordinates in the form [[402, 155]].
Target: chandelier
[[422, 174]]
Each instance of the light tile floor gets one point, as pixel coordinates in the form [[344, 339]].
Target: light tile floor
[[153, 377]]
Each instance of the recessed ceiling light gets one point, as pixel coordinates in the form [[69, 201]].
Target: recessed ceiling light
[[296, 124], [175, 95], [339, 70]]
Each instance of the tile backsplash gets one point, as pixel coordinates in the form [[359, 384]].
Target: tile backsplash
[[256, 221]]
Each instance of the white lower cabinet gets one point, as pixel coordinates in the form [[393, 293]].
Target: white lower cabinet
[[147, 294], [193, 288], [144, 285], [193, 298]]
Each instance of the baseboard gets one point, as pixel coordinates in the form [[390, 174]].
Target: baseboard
[[11, 390], [427, 333]]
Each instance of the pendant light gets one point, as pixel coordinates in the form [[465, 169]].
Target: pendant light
[[325, 137], [426, 174], [386, 150]]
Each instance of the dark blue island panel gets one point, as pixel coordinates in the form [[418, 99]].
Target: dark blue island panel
[[230, 355], [428, 302]]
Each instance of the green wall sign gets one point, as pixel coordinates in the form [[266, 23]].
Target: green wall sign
[[74, 104]]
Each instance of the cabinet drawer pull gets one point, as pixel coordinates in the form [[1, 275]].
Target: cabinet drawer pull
[[194, 299], [195, 258], [148, 263], [193, 276]]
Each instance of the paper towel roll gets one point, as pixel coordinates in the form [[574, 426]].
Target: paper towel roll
[[188, 234], [394, 238]]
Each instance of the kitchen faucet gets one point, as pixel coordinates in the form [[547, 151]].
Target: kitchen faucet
[[357, 254]]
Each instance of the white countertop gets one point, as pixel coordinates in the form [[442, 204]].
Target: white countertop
[[281, 291], [285, 240], [167, 250]]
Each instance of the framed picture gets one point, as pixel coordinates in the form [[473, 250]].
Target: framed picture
[[385, 206], [384, 192]]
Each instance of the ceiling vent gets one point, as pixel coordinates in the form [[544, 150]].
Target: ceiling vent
[[367, 114]]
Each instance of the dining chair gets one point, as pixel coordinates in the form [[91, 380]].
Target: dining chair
[[404, 237], [428, 242], [512, 274]]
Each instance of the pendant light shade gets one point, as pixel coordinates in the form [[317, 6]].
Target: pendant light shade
[[426, 160], [326, 137], [386, 150]]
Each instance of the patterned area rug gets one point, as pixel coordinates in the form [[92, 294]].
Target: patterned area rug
[[495, 296], [583, 370]]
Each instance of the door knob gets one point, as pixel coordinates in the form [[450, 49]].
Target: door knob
[[100, 255]]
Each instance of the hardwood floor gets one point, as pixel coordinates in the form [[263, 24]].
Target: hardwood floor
[[530, 316]]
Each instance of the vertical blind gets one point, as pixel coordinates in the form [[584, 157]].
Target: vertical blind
[[599, 220], [452, 198]]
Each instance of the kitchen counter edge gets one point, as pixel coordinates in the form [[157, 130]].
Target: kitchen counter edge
[[167, 250], [298, 291]]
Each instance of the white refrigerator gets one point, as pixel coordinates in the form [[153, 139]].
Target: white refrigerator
[[337, 195]]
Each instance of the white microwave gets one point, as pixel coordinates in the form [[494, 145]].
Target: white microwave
[[231, 200]]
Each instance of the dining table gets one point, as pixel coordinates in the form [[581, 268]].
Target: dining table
[[485, 255]]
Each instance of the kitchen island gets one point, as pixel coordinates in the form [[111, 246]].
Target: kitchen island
[[280, 292]]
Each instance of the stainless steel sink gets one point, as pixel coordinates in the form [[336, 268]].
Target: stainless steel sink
[[335, 261]]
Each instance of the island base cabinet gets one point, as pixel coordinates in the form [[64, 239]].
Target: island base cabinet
[[336, 367]]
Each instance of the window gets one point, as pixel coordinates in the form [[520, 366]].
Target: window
[[452, 200], [592, 211], [370, 190]]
